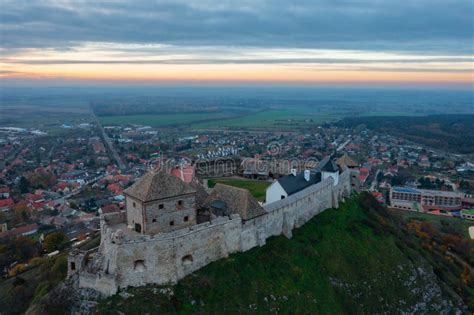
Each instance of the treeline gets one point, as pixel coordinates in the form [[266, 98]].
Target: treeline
[[446, 132], [113, 109]]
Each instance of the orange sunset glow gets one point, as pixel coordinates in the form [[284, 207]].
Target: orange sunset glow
[[274, 45]]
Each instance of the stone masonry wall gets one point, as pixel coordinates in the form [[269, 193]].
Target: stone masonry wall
[[131, 260], [172, 216]]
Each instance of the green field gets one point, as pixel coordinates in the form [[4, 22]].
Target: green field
[[297, 117], [157, 120], [350, 260], [256, 188], [42, 117], [289, 118]]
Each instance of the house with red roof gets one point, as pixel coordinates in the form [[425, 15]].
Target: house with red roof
[[110, 208], [4, 192], [185, 173], [116, 189], [6, 204], [379, 196], [62, 187], [20, 231], [363, 174]]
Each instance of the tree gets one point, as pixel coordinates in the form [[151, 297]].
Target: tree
[[54, 241], [25, 248], [42, 180], [24, 185], [21, 212]]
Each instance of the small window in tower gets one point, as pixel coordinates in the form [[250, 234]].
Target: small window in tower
[[139, 266], [154, 220], [161, 206], [186, 219], [134, 205], [187, 260], [73, 266], [171, 223], [180, 202]]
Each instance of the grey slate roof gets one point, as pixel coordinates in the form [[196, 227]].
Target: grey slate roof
[[158, 185], [326, 165], [292, 184], [330, 166], [238, 201]]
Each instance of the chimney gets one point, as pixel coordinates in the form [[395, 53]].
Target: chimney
[[293, 171], [306, 175]]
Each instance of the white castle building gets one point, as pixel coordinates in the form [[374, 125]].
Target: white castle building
[[171, 229]]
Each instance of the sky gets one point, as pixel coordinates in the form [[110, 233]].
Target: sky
[[341, 42]]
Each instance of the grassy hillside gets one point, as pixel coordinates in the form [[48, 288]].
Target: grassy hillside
[[358, 258], [257, 188], [16, 293]]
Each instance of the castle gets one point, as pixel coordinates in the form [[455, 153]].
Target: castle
[[171, 229]]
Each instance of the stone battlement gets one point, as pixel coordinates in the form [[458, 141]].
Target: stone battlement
[[127, 258], [113, 231]]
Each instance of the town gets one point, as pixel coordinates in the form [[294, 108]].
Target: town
[[53, 184]]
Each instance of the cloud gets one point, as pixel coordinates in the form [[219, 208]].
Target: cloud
[[233, 61], [392, 25]]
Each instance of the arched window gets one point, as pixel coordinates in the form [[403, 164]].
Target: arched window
[[187, 260], [139, 266]]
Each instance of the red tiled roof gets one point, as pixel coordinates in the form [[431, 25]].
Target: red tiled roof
[[110, 208], [6, 202], [186, 174], [115, 188], [376, 194], [20, 230], [34, 197]]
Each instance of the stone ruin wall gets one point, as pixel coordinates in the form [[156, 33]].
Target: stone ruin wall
[[125, 260]]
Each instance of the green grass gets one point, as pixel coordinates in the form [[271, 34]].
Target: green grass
[[157, 120], [293, 117], [296, 117], [257, 188], [342, 261]]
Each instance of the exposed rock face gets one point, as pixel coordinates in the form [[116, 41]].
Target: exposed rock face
[[128, 258]]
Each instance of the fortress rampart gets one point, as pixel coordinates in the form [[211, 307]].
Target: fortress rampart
[[125, 258]]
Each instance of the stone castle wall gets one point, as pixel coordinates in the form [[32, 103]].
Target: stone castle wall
[[134, 260]]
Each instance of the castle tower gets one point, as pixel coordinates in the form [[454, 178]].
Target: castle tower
[[160, 202]]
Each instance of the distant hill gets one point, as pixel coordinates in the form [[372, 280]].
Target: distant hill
[[360, 258], [448, 132]]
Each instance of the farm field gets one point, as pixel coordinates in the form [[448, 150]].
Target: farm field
[[157, 120], [257, 188], [272, 118], [42, 116], [275, 118]]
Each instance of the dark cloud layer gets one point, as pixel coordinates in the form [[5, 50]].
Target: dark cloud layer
[[391, 25]]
